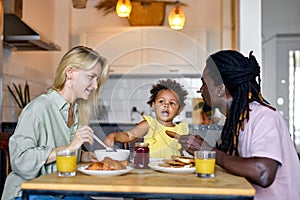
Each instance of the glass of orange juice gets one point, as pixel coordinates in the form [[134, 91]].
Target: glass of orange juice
[[66, 162], [205, 162]]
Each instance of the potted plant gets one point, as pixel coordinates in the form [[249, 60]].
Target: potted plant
[[22, 97], [205, 112]]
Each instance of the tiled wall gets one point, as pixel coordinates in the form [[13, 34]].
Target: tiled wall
[[15, 71], [119, 95]]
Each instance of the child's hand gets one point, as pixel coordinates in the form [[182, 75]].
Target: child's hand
[[110, 140]]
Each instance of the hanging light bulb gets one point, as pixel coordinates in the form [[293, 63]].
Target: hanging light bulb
[[123, 8], [176, 17]]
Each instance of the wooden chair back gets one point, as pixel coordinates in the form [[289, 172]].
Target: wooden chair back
[[4, 139]]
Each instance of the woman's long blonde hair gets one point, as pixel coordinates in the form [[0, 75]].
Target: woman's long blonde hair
[[83, 58]]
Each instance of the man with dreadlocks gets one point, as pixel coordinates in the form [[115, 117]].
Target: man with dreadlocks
[[255, 142], [167, 101]]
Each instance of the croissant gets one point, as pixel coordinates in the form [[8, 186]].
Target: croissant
[[114, 164], [96, 166], [108, 164]]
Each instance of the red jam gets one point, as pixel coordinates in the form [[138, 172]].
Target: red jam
[[141, 155]]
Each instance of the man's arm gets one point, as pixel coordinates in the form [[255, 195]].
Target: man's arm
[[257, 170]]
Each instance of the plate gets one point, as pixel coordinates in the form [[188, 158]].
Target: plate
[[173, 170], [156, 160], [104, 172]]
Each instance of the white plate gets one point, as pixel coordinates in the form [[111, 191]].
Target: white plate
[[156, 160], [104, 172], [173, 170]]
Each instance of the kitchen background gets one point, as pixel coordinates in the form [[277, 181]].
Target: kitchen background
[[210, 25], [150, 53], [67, 27], [140, 56], [269, 27]]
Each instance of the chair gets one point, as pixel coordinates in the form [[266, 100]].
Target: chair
[[4, 138]]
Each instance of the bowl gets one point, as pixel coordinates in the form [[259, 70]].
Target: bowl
[[120, 154]]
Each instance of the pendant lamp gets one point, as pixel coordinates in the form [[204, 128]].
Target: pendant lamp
[[123, 8], [176, 17]]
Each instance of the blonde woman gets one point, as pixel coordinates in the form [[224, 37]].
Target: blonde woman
[[47, 124]]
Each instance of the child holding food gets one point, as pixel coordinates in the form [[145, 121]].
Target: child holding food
[[167, 101]]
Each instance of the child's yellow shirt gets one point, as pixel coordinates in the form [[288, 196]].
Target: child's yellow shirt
[[160, 144]]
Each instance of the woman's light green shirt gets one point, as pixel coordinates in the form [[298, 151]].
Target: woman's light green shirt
[[41, 127]]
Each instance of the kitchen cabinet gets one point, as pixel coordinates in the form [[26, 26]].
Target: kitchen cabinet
[[149, 50]]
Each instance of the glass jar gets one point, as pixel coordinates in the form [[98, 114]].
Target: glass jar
[[141, 155]]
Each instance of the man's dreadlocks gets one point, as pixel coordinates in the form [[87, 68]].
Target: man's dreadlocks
[[238, 74]]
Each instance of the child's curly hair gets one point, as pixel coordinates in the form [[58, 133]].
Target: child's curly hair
[[168, 85]]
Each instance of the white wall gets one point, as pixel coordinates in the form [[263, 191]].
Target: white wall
[[281, 30], [250, 28], [280, 16], [120, 95]]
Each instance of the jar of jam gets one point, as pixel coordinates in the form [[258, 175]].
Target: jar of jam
[[141, 155]]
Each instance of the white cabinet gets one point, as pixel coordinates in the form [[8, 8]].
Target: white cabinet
[[149, 50]]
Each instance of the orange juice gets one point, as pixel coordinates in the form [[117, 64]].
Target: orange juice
[[205, 166], [66, 163]]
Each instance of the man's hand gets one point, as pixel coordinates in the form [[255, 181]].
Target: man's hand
[[192, 143]]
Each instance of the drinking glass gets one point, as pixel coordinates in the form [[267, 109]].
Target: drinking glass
[[66, 163], [205, 162]]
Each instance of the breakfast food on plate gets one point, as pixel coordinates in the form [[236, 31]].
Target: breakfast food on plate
[[178, 161], [108, 164], [184, 159]]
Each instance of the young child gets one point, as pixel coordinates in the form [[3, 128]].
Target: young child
[[167, 101]]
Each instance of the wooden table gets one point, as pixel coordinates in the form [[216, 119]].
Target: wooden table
[[145, 184]]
